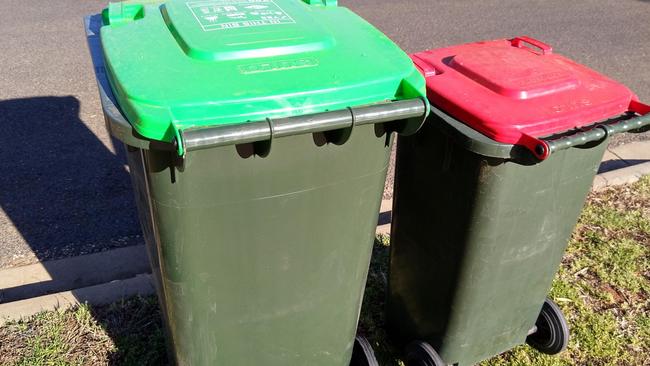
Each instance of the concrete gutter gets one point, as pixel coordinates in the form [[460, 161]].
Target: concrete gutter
[[97, 279], [629, 174], [50, 277], [105, 293]]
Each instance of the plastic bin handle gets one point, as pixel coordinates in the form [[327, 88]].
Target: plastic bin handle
[[599, 132], [518, 41], [203, 138]]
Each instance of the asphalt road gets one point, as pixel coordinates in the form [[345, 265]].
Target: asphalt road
[[64, 187]]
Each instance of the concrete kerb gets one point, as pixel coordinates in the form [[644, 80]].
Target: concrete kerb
[[97, 279], [105, 293], [629, 174], [385, 217], [34, 280], [106, 277]]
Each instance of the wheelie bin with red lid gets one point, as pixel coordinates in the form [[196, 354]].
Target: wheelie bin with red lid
[[258, 159], [488, 192]]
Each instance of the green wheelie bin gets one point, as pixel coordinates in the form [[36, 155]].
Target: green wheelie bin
[[488, 192], [258, 134]]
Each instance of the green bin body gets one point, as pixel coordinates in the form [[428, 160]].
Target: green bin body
[[477, 238], [259, 193], [266, 264]]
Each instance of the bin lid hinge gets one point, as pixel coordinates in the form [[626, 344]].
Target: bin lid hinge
[[322, 2], [121, 13]]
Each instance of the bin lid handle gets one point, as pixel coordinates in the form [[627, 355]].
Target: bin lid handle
[[637, 120], [521, 40]]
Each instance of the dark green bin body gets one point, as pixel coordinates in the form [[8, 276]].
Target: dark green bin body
[[264, 265], [477, 238]]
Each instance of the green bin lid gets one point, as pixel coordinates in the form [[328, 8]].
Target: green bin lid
[[183, 64]]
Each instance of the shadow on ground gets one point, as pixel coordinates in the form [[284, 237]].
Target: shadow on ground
[[61, 188], [610, 165], [65, 192], [136, 329]]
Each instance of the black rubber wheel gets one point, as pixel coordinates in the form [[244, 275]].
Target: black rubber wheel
[[552, 335], [420, 353], [362, 353]]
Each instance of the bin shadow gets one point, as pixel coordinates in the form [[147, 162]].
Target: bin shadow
[[614, 164], [62, 189], [136, 327]]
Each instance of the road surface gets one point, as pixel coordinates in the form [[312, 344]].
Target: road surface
[[64, 186]]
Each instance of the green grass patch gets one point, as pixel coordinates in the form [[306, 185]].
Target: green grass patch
[[124, 333]]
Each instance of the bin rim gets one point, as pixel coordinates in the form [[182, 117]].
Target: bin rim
[[634, 121]]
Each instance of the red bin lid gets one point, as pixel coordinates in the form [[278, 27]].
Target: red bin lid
[[517, 91]]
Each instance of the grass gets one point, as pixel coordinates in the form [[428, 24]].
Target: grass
[[603, 287], [128, 332]]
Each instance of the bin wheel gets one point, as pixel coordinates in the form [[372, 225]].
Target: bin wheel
[[552, 335], [420, 353], [362, 353]]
